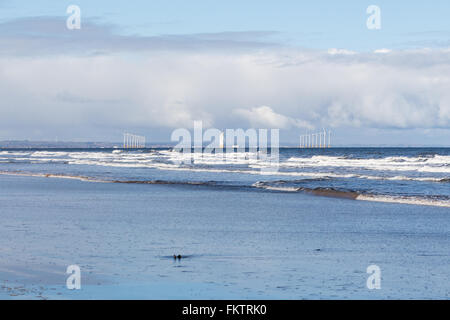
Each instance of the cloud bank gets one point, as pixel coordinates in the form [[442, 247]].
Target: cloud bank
[[164, 83]]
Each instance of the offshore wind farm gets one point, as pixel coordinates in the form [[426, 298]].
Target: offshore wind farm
[[316, 140]]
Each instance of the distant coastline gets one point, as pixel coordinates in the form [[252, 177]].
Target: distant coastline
[[27, 144], [17, 144]]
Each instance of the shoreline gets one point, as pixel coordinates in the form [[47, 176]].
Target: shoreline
[[319, 192]]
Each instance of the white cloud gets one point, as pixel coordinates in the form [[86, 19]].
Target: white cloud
[[384, 50], [334, 51], [276, 87], [265, 117]]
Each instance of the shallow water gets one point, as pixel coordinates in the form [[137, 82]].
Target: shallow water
[[240, 243]]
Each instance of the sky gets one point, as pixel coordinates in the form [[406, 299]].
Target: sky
[[149, 67]]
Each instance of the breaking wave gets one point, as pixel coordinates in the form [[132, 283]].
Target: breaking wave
[[418, 177]]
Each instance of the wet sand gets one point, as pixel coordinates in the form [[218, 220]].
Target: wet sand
[[237, 244]]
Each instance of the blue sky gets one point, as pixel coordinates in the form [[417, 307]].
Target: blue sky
[[316, 24], [152, 66]]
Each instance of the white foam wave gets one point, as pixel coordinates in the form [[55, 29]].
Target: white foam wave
[[438, 164], [37, 154], [404, 200], [274, 188], [248, 163], [11, 153], [47, 175]]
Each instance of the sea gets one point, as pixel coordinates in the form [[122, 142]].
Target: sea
[[304, 227], [401, 175]]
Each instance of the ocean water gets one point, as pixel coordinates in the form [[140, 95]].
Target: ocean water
[[401, 175], [306, 231]]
